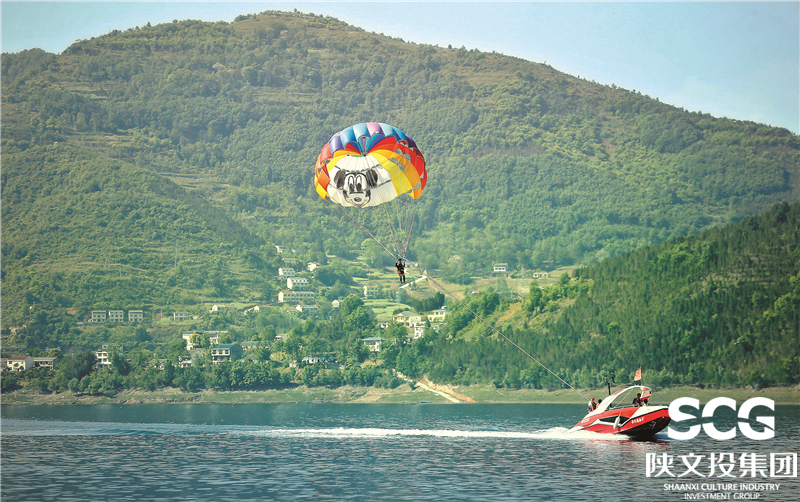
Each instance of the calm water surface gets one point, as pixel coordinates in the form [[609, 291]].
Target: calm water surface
[[356, 452]]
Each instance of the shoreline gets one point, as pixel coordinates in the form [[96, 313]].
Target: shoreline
[[442, 394]]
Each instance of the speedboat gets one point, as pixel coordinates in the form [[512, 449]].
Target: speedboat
[[614, 415]]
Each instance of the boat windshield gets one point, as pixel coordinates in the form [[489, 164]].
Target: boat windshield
[[624, 398]]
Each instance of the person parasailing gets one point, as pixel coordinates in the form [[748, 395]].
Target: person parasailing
[[401, 270]]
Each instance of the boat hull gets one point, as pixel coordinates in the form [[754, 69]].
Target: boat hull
[[631, 421]]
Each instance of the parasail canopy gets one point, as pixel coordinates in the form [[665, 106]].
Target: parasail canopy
[[369, 164], [371, 172]]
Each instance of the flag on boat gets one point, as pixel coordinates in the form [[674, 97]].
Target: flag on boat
[[638, 376]]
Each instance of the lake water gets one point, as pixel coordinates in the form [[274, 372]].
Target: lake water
[[370, 452]]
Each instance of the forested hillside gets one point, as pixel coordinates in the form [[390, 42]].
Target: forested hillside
[[194, 143], [100, 231], [719, 308]]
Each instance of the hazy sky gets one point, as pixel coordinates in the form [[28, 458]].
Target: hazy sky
[[730, 59]]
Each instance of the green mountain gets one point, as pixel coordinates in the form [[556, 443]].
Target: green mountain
[[83, 230], [194, 143], [718, 308]]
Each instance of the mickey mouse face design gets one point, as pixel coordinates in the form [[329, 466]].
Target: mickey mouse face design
[[356, 186]]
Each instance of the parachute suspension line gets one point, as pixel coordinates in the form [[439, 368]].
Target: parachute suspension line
[[405, 219], [442, 288], [395, 241], [408, 235], [366, 231]]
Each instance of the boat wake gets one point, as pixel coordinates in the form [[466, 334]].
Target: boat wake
[[54, 428], [552, 433]]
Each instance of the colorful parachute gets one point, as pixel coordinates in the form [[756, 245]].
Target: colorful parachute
[[368, 165]]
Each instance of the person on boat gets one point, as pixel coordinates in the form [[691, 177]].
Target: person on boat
[[401, 270], [592, 405], [637, 401]]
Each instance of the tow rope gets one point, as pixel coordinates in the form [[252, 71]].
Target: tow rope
[[451, 295]]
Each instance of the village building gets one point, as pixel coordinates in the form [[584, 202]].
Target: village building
[[99, 316], [45, 362], [284, 272], [193, 359], [213, 337], [438, 315], [290, 296], [312, 265], [323, 358], [135, 316], [501, 269], [249, 345], [19, 364], [105, 354], [335, 304], [540, 275], [373, 343], [226, 352], [188, 338], [116, 315], [297, 283], [407, 317], [306, 308], [180, 316]]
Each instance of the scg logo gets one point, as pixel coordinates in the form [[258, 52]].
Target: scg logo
[[677, 415]]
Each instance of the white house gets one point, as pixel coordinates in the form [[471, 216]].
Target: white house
[[407, 317], [501, 268], [180, 316], [19, 363], [289, 296], [374, 343], [285, 272], [438, 315], [296, 282], [335, 304], [105, 353], [135, 315], [99, 316], [188, 338], [116, 315], [312, 265]]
